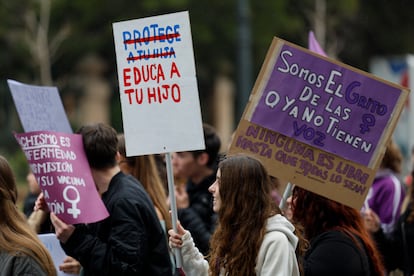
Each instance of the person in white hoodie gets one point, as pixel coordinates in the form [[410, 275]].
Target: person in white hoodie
[[252, 237]]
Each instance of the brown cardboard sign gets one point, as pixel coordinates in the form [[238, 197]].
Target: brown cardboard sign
[[318, 123]]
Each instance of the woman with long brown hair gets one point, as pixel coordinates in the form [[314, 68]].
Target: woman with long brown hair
[[252, 237], [339, 242], [21, 252], [144, 168]]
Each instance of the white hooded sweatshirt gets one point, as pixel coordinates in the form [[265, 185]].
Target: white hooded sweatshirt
[[276, 255]]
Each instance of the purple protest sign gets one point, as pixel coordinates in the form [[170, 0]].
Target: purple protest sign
[[325, 104], [318, 123], [314, 46], [59, 163]]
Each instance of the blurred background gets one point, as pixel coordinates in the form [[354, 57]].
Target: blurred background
[[69, 44]]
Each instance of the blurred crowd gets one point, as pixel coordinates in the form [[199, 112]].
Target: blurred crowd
[[230, 219]]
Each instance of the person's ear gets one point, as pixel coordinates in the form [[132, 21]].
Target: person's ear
[[202, 159], [118, 157]]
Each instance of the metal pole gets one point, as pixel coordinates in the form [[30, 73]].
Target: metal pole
[[286, 194], [174, 215]]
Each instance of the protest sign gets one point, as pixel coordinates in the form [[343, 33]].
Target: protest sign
[[52, 244], [59, 163], [158, 86], [318, 123], [314, 46], [39, 107]]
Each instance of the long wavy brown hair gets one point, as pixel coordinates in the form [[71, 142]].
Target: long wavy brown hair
[[16, 236], [246, 205], [144, 168], [318, 214]]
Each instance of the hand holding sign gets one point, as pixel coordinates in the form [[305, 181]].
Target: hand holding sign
[[63, 230], [65, 265]]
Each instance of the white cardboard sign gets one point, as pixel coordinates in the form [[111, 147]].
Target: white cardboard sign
[[157, 84]]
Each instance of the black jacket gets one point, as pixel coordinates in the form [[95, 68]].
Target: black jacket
[[199, 218], [335, 253], [129, 242], [397, 248]]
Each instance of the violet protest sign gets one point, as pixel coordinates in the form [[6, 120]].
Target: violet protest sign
[[158, 85], [59, 163], [319, 123]]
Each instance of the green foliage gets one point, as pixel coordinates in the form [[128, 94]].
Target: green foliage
[[18, 163]]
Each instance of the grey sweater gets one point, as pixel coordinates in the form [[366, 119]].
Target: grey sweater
[[19, 265]]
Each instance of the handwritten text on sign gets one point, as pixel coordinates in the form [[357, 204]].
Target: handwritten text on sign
[[151, 82], [158, 85], [306, 166], [325, 105], [59, 163], [39, 107]]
